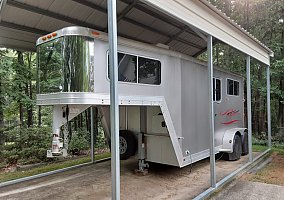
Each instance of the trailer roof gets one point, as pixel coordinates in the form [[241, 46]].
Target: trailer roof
[[179, 24]]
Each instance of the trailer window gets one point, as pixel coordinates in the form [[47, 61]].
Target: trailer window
[[127, 65], [233, 87], [216, 89], [149, 71], [127, 68]]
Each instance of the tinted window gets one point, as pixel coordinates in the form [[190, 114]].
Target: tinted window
[[127, 65], [149, 71], [230, 87], [233, 87], [127, 68], [216, 89], [236, 88]]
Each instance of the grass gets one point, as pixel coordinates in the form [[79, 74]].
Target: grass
[[277, 148], [49, 167], [257, 147]]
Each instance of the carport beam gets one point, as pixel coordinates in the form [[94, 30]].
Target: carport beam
[[114, 109], [249, 108], [268, 106], [211, 109]]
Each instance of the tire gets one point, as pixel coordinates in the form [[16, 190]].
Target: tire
[[237, 149], [245, 150], [127, 144]]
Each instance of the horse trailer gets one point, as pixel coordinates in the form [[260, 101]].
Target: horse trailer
[[163, 97]]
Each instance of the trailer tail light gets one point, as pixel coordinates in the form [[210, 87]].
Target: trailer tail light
[[49, 36], [54, 34], [43, 38]]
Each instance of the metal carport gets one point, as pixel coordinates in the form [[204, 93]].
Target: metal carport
[[187, 26]]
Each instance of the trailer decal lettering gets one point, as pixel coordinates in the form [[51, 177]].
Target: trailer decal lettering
[[230, 122], [230, 112]]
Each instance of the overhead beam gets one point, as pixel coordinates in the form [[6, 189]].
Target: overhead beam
[[101, 9], [23, 28], [215, 41], [91, 5], [2, 5], [160, 17], [175, 36], [188, 43], [126, 10], [48, 13], [131, 21]]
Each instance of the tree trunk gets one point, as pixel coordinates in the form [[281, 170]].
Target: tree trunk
[[281, 105], [39, 116], [21, 110], [76, 123], [80, 120], [29, 91], [281, 87], [95, 117], [228, 7], [1, 113], [246, 26]]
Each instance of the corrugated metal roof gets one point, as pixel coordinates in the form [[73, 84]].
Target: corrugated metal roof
[[137, 20]]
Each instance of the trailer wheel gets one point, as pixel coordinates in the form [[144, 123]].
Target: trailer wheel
[[237, 150], [127, 144], [245, 150]]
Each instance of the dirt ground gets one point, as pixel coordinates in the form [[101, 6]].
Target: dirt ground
[[267, 183], [94, 182], [273, 173]]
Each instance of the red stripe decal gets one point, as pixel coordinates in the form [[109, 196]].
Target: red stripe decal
[[230, 122]]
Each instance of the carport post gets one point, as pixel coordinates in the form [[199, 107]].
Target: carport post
[[92, 136], [114, 109], [211, 116], [249, 107], [268, 106]]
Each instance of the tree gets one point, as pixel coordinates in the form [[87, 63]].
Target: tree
[[261, 18]]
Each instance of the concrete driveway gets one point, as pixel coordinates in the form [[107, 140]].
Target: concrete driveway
[[248, 190]]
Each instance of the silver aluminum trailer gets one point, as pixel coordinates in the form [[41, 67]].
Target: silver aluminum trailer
[[163, 97]]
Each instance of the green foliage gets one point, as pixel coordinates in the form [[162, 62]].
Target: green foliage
[[80, 141], [100, 138], [26, 145]]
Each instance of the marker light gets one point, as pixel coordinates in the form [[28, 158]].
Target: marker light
[[95, 33]]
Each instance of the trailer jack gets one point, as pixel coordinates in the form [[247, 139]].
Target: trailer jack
[[142, 165], [57, 149]]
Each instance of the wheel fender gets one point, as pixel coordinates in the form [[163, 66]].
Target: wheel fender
[[228, 138]]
